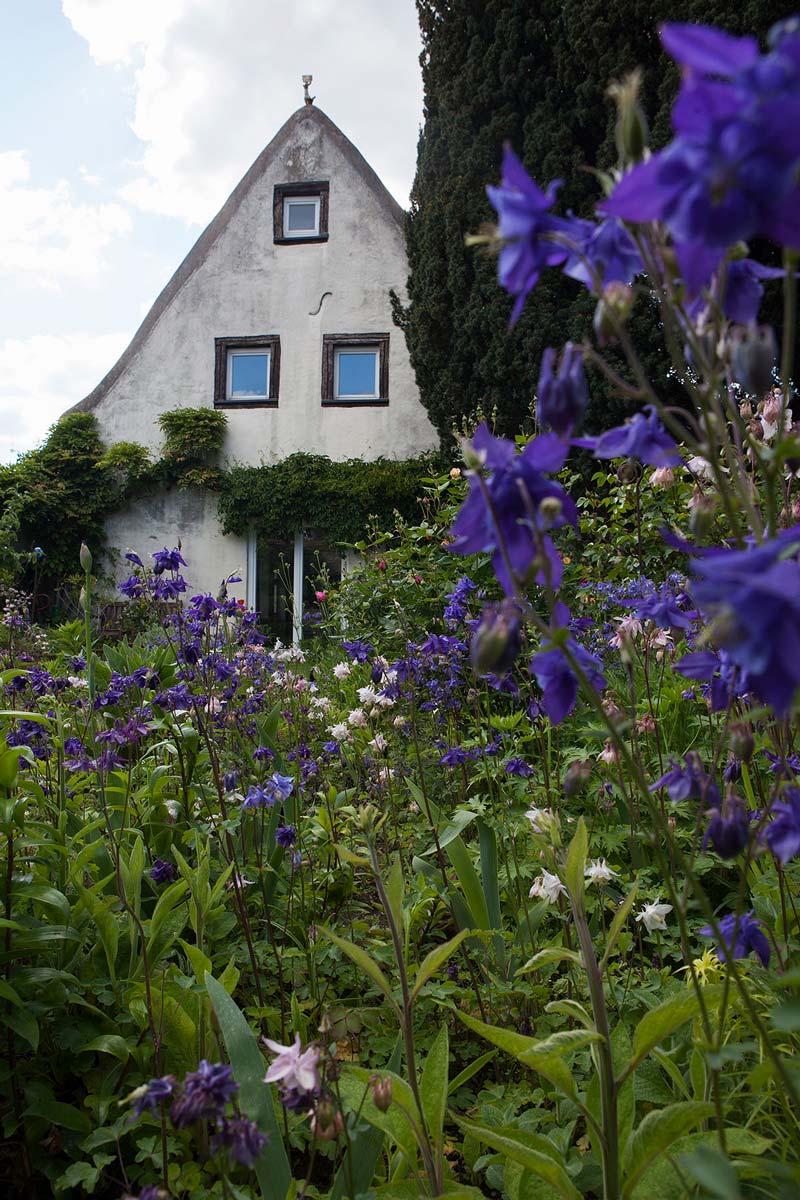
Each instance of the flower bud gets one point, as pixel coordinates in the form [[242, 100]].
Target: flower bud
[[455, 472], [576, 777], [326, 1123], [742, 741], [562, 394], [550, 509], [631, 132], [85, 558], [754, 352], [497, 641], [629, 471], [613, 308], [701, 513], [381, 1092], [662, 477]]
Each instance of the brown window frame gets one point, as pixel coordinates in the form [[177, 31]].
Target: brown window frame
[[270, 342], [313, 188], [331, 342]]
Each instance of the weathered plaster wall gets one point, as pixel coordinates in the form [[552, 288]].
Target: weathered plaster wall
[[189, 517]]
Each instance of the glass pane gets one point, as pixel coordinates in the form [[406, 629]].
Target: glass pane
[[302, 217], [274, 587], [357, 373], [322, 568], [249, 375]]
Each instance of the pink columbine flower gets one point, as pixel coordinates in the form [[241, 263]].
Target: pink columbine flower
[[295, 1067]]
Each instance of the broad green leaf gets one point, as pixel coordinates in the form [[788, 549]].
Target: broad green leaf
[[109, 1043], [521, 1184], [23, 1024], [394, 892], [364, 961], [571, 1008], [530, 1150], [48, 897], [201, 963], [662, 1180], [713, 1171], [433, 1086], [672, 1069], [660, 1022], [65, 1115], [550, 954], [436, 959], [575, 864], [7, 993], [491, 888], [655, 1133], [615, 929], [254, 1096]]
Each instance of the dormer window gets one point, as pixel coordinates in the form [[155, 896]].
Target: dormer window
[[247, 371], [300, 212], [355, 369]]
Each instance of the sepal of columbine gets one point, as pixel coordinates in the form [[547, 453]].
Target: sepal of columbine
[[739, 937], [562, 396], [554, 671], [753, 356], [643, 437], [497, 641]]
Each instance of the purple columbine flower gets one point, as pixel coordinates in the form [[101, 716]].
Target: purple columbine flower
[[263, 754], [607, 254], [563, 397], [661, 607], [527, 228], [206, 1091], [162, 871], [167, 560], [515, 504], [156, 1091], [555, 675], [518, 766], [454, 757], [131, 557], [286, 836], [643, 438], [690, 782], [753, 597], [358, 651], [258, 797], [230, 781], [740, 936], [782, 835], [456, 610], [243, 1140], [728, 828], [282, 785], [132, 587]]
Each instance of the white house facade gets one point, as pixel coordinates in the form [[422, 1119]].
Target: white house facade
[[281, 317]]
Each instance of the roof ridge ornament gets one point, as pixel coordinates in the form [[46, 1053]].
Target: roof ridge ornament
[[306, 82]]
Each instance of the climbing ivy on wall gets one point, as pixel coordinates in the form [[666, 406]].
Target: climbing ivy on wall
[[309, 491]]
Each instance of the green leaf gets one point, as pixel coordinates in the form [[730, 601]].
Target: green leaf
[[575, 864], [531, 1150], [254, 1096], [663, 1182], [550, 954], [364, 961], [655, 1133], [713, 1171], [25, 1025], [105, 922], [356, 1092], [433, 1086], [394, 891], [201, 963], [663, 1020], [468, 1072], [65, 1115], [436, 959], [109, 1043]]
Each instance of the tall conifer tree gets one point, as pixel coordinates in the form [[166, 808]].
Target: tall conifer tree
[[533, 72]]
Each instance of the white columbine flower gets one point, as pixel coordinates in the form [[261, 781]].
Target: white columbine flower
[[342, 670], [321, 703], [357, 718], [379, 743], [652, 916], [598, 872], [540, 819], [339, 732], [547, 887], [367, 695]]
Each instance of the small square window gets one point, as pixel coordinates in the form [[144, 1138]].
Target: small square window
[[248, 375], [355, 368], [301, 216], [247, 371], [300, 212]]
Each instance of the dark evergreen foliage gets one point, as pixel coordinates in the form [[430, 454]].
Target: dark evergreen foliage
[[534, 73]]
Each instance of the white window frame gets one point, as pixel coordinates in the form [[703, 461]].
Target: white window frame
[[261, 352], [288, 201], [375, 351]]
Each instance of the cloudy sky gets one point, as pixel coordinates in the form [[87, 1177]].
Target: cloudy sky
[[125, 125]]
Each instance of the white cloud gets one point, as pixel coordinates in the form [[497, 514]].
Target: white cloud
[[47, 236], [213, 82], [42, 376]]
